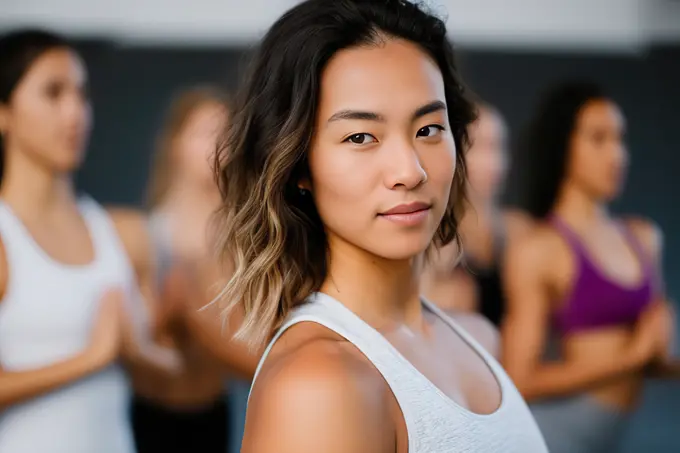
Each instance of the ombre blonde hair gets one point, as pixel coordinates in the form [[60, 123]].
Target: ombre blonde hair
[[183, 106], [268, 230]]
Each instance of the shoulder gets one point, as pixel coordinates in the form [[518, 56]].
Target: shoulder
[[647, 232], [318, 396], [132, 226], [517, 223], [128, 221], [537, 248], [480, 328]]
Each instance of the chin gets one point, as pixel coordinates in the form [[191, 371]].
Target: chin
[[610, 194], [67, 164], [402, 249]]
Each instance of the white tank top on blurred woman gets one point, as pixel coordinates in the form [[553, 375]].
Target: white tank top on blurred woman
[[46, 316], [434, 422]]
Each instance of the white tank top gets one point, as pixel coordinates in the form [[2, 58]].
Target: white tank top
[[434, 422], [46, 316]]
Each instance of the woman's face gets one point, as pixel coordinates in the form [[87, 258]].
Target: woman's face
[[197, 142], [487, 159], [48, 116], [382, 159], [598, 157]]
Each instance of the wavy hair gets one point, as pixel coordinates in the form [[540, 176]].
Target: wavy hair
[[271, 234], [545, 144]]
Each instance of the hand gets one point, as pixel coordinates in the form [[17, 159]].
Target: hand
[[650, 330], [172, 296], [105, 339]]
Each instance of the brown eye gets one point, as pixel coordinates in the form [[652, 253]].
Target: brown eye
[[429, 131], [54, 90], [360, 139]]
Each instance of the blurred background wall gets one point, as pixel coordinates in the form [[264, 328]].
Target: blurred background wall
[[140, 52]]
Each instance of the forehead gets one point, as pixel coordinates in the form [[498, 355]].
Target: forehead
[[60, 64], [390, 77], [489, 121], [207, 112], [601, 113]]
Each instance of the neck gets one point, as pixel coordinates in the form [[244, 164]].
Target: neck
[[32, 189], [576, 205], [380, 291]]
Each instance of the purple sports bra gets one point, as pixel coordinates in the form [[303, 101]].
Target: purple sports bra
[[595, 300]]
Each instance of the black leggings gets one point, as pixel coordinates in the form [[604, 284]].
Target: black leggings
[[162, 430]]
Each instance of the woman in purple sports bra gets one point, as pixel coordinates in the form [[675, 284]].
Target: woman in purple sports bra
[[587, 317]]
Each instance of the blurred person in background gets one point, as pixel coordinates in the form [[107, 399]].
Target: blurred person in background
[[587, 316], [188, 411], [72, 275], [474, 283]]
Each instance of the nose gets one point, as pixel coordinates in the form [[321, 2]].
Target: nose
[[76, 110], [618, 153], [404, 168]]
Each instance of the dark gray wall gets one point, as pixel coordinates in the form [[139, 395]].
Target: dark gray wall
[[131, 88]]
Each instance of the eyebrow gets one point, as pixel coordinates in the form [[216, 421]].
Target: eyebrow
[[426, 109]]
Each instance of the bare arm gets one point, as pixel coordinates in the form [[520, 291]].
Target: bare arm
[[141, 350], [528, 282], [19, 386], [651, 238], [313, 404]]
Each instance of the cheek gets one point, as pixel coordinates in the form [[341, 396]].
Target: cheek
[[342, 183], [586, 164], [35, 128]]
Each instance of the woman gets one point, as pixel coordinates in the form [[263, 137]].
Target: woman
[[69, 271], [187, 411], [588, 279], [475, 284], [336, 178]]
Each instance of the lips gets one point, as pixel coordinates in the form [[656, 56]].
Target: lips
[[408, 208]]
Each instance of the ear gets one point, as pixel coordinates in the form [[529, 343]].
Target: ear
[[305, 184]]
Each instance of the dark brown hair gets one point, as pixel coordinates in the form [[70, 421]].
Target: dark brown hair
[[19, 50], [272, 235]]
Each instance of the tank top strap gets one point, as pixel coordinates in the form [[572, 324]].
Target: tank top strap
[[634, 243], [12, 231], [20, 247], [569, 235], [104, 230], [326, 311], [161, 239]]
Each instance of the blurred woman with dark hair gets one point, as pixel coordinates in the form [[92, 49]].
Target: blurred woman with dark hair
[[72, 275], [188, 411], [591, 280]]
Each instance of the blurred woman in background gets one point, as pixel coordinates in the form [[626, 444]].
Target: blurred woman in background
[[474, 284], [187, 412], [587, 279], [71, 273]]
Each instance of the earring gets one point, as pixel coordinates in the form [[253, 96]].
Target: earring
[[303, 192]]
